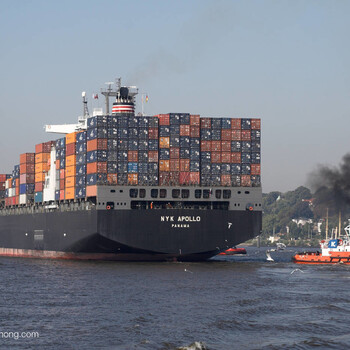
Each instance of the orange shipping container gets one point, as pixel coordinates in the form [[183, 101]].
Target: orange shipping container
[[70, 171], [58, 164], [41, 168], [27, 168], [39, 177], [42, 157], [70, 193], [70, 182], [97, 167], [164, 142], [27, 158], [62, 173], [132, 179], [164, 165], [71, 138], [70, 161], [112, 179], [97, 144], [91, 191]]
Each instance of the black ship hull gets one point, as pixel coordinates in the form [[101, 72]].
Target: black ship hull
[[129, 235]]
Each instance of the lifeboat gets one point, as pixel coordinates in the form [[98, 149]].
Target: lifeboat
[[333, 251], [234, 251]]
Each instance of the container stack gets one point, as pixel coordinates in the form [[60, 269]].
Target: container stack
[[96, 153], [27, 178], [112, 150], [3, 178], [120, 144], [194, 150], [42, 165], [150, 154], [70, 173], [133, 146], [81, 149], [60, 168], [164, 149]]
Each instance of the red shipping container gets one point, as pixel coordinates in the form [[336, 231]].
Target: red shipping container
[[246, 135], [62, 173], [235, 157], [255, 124], [70, 149], [96, 144], [255, 169], [194, 178], [226, 157], [174, 178], [205, 123], [185, 165], [2, 186], [27, 168], [205, 146], [3, 177], [226, 134], [236, 135], [245, 181], [164, 119], [195, 131], [184, 130], [225, 180], [153, 156], [184, 178], [236, 123], [96, 167], [216, 157], [195, 119], [62, 183], [174, 164], [39, 148], [164, 165], [27, 158], [133, 156], [39, 186], [58, 164], [174, 153], [17, 182], [153, 133], [62, 197], [225, 146], [164, 178], [215, 146], [27, 179]]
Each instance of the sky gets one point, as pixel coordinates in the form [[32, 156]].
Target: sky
[[285, 62]]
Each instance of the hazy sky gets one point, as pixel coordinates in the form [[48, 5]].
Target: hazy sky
[[284, 61]]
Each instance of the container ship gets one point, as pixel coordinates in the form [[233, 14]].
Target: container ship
[[120, 186]]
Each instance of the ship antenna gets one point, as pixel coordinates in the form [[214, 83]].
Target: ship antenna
[[85, 107], [106, 93]]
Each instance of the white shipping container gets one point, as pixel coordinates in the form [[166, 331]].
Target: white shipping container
[[22, 199]]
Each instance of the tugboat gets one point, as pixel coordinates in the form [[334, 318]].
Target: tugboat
[[333, 251]]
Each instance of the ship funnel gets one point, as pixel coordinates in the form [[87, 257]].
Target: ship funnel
[[124, 102]]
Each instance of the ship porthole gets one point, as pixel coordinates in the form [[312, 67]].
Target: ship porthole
[[64, 235]]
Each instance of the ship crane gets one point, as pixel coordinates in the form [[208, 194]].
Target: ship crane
[[69, 128]]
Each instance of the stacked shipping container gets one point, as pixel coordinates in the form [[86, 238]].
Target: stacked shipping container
[[167, 149]]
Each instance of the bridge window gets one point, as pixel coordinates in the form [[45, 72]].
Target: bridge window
[[206, 193], [142, 193], [198, 193], [218, 194], [162, 193], [226, 194], [133, 192], [185, 193], [176, 193], [154, 193]]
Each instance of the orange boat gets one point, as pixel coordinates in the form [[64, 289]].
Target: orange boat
[[233, 251], [333, 251]]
